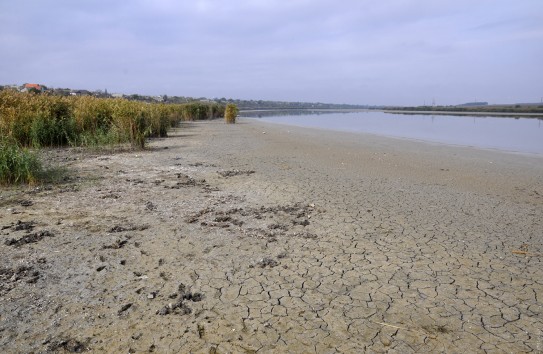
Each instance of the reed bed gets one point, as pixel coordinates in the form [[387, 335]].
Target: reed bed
[[29, 120], [37, 120]]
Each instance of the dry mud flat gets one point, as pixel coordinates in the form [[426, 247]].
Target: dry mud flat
[[259, 238]]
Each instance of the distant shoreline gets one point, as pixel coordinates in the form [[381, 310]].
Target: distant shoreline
[[453, 113], [448, 113]]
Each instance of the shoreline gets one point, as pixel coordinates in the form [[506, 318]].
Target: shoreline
[[284, 239], [391, 111], [475, 113]]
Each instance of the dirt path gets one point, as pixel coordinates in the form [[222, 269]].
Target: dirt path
[[261, 238]]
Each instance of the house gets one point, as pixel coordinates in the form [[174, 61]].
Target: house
[[80, 93], [33, 87]]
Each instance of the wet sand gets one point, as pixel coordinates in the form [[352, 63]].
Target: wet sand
[[260, 237]]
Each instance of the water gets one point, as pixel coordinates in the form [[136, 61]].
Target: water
[[501, 133]]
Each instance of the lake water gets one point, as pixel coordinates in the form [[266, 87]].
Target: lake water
[[501, 133]]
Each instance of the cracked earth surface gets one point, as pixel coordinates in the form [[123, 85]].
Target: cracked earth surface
[[260, 238]]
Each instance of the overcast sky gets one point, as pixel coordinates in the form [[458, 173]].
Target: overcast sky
[[343, 51]]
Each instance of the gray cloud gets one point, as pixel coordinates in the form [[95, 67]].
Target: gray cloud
[[393, 52]]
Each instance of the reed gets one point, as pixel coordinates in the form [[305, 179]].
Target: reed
[[37, 120], [230, 113], [30, 120], [201, 111], [17, 165]]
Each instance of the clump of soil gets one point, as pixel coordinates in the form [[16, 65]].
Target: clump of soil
[[232, 173], [69, 345], [180, 307], [120, 228], [31, 238], [268, 262]]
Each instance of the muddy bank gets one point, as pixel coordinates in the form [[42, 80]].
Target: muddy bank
[[255, 237]]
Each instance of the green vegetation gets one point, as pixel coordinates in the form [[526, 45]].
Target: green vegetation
[[17, 165], [29, 120], [230, 114]]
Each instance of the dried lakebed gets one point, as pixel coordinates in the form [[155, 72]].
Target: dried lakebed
[[225, 239]]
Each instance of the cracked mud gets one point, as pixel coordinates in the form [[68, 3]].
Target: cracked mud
[[293, 241]]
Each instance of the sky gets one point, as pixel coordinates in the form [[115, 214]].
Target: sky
[[389, 52]]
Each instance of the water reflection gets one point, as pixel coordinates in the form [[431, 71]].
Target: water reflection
[[503, 133], [288, 112]]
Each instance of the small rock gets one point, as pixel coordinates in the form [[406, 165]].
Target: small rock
[[124, 308]]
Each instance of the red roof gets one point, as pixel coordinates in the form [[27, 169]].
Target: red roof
[[36, 86]]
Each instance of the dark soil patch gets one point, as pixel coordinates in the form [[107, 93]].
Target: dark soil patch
[[69, 345], [32, 238], [24, 225], [180, 307], [232, 173], [9, 277], [120, 228]]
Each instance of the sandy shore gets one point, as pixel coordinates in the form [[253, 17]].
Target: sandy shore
[[260, 237]]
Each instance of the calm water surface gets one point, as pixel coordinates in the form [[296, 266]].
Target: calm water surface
[[502, 133]]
